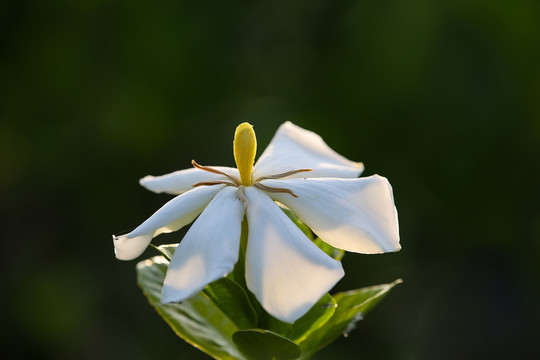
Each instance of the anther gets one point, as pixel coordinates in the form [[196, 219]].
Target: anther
[[274, 189], [216, 171], [282, 175], [209, 183]]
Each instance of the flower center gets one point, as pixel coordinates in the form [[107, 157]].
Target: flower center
[[245, 147]]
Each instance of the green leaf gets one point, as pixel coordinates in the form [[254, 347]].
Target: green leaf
[[352, 306], [302, 328], [198, 320], [227, 295], [364, 299], [301, 225], [167, 250], [259, 344], [213, 320], [233, 301], [315, 318], [329, 249]]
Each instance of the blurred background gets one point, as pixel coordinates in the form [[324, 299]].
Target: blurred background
[[441, 97]]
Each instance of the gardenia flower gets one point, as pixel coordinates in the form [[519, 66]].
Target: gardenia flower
[[285, 270]]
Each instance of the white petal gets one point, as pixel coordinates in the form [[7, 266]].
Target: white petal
[[294, 148], [174, 215], [351, 214], [129, 249], [181, 181], [287, 272], [208, 251]]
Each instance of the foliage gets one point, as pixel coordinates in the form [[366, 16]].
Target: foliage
[[226, 322]]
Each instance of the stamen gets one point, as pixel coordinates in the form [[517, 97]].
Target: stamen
[[242, 196], [282, 175], [215, 171], [274, 189], [209, 183]]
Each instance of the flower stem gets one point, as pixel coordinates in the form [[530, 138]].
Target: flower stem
[[244, 238], [238, 273]]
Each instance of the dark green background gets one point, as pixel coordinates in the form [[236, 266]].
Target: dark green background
[[442, 97]]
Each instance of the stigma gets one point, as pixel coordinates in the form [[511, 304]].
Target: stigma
[[245, 147]]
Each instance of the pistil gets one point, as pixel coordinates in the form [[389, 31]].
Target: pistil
[[245, 147]]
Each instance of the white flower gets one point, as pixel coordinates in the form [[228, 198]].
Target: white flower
[[285, 270]]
